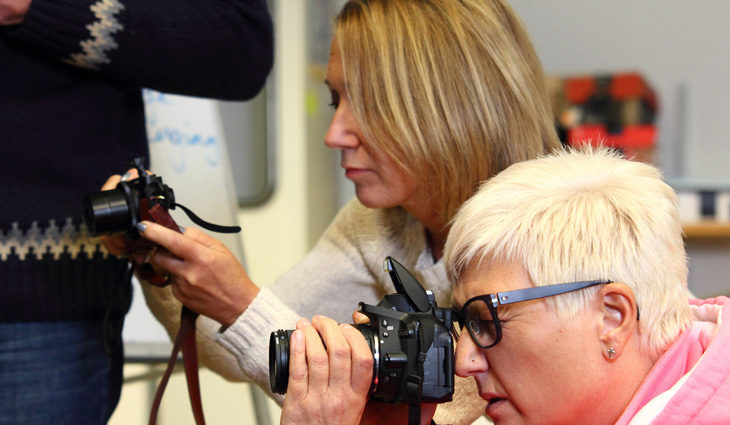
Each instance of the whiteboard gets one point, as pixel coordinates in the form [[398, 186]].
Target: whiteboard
[[188, 149]]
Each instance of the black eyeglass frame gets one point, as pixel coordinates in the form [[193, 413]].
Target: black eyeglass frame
[[518, 295]]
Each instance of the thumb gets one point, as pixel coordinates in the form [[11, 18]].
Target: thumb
[[359, 318], [111, 182]]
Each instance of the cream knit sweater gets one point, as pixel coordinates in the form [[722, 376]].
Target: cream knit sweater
[[344, 268]]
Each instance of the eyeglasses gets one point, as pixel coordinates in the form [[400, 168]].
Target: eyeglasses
[[479, 314]]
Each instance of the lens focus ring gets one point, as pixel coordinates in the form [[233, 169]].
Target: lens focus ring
[[279, 360]]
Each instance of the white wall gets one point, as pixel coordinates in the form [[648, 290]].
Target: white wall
[[679, 46]]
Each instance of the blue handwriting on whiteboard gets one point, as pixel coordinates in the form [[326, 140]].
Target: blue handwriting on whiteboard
[[179, 140], [151, 96]]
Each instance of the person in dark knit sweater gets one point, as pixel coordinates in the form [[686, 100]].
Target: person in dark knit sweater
[[71, 74]]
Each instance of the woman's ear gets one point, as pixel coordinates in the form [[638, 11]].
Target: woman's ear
[[620, 318]]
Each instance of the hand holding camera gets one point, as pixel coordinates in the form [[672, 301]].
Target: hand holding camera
[[115, 212], [409, 357], [330, 370], [117, 243], [205, 276]]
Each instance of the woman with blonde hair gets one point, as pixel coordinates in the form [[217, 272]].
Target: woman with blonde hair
[[572, 282], [431, 97]]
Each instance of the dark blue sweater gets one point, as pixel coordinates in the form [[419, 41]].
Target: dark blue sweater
[[71, 114]]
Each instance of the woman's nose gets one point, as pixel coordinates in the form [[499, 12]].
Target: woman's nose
[[470, 359], [343, 132]]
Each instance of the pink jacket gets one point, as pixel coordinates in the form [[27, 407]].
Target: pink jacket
[[690, 383]]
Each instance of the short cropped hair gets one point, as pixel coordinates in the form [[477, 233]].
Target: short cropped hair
[[452, 91], [583, 215]]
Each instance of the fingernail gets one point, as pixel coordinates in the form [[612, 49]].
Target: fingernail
[[141, 227], [126, 176], [302, 322]]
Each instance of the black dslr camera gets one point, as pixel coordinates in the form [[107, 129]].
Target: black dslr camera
[[410, 338], [119, 210]]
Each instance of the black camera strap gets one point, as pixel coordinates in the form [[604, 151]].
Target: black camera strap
[[414, 385], [207, 225]]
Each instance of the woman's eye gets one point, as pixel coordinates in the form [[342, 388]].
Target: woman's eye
[[334, 100], [477, 326], [474, 327]]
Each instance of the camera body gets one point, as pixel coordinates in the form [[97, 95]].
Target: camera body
[[119, 210], [398, 338], [410, 338]]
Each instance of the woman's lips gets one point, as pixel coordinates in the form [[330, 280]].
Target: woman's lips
[[494, 405], [354, 172]]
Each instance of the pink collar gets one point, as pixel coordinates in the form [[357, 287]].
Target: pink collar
[[677, 360]]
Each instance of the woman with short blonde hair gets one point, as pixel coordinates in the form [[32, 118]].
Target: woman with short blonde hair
[[588, 222], [572, 287]]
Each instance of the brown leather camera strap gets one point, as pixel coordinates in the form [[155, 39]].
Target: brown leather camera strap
[[185, 339]]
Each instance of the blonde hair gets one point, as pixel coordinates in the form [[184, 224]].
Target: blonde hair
[[451, 90], [583, 215]]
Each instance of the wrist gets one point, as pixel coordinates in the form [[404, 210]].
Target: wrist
[[12, 12], [240, 306]]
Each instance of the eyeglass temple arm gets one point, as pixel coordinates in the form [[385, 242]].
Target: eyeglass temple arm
[[527, 294]]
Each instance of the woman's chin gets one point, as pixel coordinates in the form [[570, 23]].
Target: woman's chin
[[374, 200]]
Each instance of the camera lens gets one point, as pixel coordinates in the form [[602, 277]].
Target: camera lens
[[107, 212], [279, 356]]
